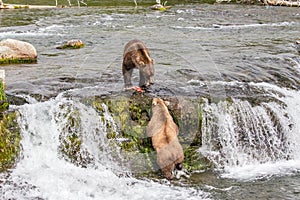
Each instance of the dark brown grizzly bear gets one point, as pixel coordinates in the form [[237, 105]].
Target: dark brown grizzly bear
[[163, 132], [136, 55]]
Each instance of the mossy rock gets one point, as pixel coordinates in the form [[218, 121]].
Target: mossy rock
[[3, 101], [72, 44], [16, 51], [195, 161], [132, 114], [125, 117], [9, 134], [17, 61], [9, 140], [70, 137], [73, 151], [127, 130]]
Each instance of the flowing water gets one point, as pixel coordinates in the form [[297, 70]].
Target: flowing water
[[240, 58]]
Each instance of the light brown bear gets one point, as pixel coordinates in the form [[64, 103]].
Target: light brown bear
[[163, 132]]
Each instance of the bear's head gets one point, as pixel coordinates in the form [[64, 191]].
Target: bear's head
[[159, 107], [159, 102]]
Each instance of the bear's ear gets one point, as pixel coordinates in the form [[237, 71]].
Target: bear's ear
[[167, 103], [154, 102]]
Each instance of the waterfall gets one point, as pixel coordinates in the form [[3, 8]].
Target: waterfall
[[42, 126], [45, 171], [248, 140]]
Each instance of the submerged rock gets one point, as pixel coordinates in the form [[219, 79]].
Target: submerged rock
[[16, 51]]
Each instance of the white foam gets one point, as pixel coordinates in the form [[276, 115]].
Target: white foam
[[252, 146], [235, 26], [262, 171], [43, 173], [32, 32]]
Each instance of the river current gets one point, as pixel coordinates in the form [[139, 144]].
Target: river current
[[245, 52]]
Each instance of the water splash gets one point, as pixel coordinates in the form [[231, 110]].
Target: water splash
[[236, 26], [43, 172], [249, 141]]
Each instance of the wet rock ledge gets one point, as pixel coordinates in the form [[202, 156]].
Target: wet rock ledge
[[126, 132], [9, 134]]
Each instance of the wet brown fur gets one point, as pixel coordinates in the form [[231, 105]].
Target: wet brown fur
[[136, 55], [163, 132]]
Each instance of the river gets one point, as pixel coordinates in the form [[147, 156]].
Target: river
[[245, 52]]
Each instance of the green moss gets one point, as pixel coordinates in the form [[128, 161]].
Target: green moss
[[72, 44], [130, 117], [71, 142], [9, 141], [71, 148], [17, 61], [9, 134], [132, 114], [66, 46], [3, 101], [194, 161]]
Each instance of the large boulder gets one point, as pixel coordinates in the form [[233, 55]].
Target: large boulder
[[16, 51]]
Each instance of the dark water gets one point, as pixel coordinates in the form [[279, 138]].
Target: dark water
[[220, 51]]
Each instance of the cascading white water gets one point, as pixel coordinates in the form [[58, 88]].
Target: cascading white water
[[253, 141], [44, 173]]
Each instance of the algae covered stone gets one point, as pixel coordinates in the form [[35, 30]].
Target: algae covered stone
[[72, 44], [9, 140], [132, 114], [9, 134], [123, 119], [3, 101], [16, 51]]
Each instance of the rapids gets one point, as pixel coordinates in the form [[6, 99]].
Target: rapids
[[240, 59]]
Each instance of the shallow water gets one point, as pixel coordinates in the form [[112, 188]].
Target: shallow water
[[220, 51], [218, 42]]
